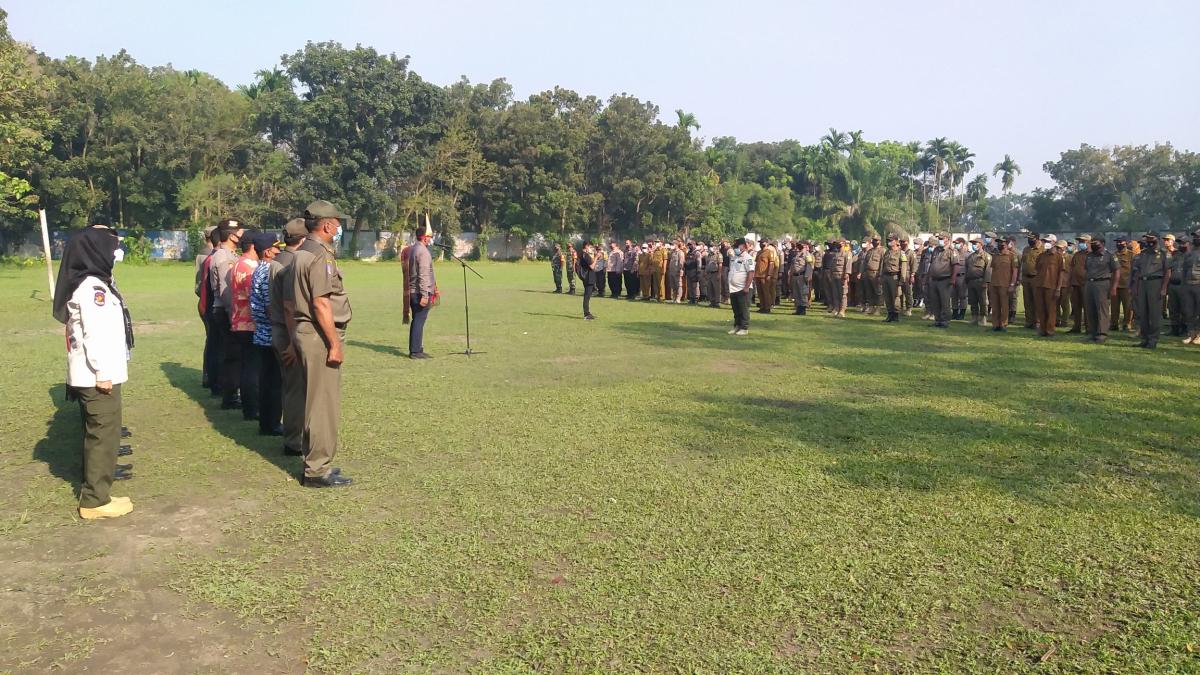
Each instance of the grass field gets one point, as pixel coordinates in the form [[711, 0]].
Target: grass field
[[641, 493]]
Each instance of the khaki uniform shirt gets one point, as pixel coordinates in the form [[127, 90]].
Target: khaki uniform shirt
[[941, 265], [1125, 260], [1051, 270], [316, 275], [979, 266], [894, 263], [1003, 266], [1099, 266], [1078, 273], [1029, 259]]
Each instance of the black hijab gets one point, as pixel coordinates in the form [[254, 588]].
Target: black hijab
[[89, 254]]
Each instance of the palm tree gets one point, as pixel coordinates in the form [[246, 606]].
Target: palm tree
[[856, 140], [963, 163], [835, 141], [687, 120], [977, 189], [1009, 170], [938, 151]]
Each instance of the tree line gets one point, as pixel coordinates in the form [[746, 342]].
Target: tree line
[[152, 146]]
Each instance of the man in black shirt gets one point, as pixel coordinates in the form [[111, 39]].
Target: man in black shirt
[[587, 263]]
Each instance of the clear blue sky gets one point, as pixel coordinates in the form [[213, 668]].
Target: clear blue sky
[[1028, 77]]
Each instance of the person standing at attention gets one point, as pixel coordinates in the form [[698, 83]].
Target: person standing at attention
[[422, 289], [741, 284]]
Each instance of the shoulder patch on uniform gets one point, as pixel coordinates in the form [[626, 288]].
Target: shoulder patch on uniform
[[99, 297]]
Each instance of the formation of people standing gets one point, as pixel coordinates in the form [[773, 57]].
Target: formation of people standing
[[1079, 285]]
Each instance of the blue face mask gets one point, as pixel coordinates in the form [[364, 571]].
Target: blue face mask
[[974, 248], [337, 237]]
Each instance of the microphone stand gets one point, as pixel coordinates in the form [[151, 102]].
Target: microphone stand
[[466, 300]]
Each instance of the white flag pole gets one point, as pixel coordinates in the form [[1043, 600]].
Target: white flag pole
[[46, 248]]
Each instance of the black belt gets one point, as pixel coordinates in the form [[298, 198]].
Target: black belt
[[341, 325], [1099, 278], [1150, 278]]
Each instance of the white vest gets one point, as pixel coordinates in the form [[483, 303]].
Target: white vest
[[95, 336]]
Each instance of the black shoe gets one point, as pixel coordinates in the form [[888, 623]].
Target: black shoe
[[941, 325], [420, 355], [122, 475], [292, 452], [331, 479], [124, 451], [231, 404], [558, 291], [588, 317], [1074, 331], [215, 393], [124, 467], [277, 431], [125, 432], [250, 417]]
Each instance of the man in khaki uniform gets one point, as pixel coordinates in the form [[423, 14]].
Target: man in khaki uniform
[[1064, 298], [893, 271], [978, 270], [1001, 282], [944, 268], [283, 326], [322, 313], [662, 255], [1028, 276], [872, 283], [1190, 290], [1122, 305], [1050, 282], [837, 275], [1100, 275], [1173, 306], [766, 276], [1151, 279], [1078, 281], [908, 283]]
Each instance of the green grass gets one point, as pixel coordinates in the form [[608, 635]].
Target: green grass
[[647, 493]]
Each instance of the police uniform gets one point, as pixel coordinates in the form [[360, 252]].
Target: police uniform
[[1174, 306], [1190, 290], [316, 275], [958, 293], [282, 293], [837, 273], [645, 263], [1100, 269], [908, 282], [572, 262], [1121, 308], [1078, 281], [872, 284], [1150, 269], [674, 277], [978, 271], [944, 267], [712, 275], [801, 273], [893, 270]]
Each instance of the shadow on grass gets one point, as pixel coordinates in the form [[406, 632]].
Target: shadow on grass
[[62, 447], [228, 422], [386, 350], [560, 316], [924, 449], [691, 336]]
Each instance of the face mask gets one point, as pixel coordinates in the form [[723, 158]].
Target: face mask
[[1033, 242], [987, 240], [1096, 248], [118, 255], [1196, 242], [1047, 245], [974, 248], [1149, 244], [337, 237], [1120, 247]]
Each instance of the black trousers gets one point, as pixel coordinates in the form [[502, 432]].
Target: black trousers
[[228, 363], [270, 390], [416, 327], [247, 377], [614, 284], [213, 346], [631, 284], [206, 374], [589, 289], [601, 277], [741, 309]]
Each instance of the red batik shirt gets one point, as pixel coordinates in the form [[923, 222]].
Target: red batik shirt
[[241, 276]]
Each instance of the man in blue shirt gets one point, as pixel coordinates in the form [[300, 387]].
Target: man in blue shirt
[[270, 383]]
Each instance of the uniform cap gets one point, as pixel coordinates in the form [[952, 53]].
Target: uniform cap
[[989, 234], [294, 230], [1168, 237], [265, 240], [975, 237], [1061, 243], [893, 237], [959, 239], [1150, 235], [1050, 238], [1085, 238], [1121, 238], [322, 209]]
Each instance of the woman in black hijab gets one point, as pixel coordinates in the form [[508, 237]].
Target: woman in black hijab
[[99, 337]]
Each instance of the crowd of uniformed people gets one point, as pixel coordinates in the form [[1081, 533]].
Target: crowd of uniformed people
[[1080, 285], [275, 315]]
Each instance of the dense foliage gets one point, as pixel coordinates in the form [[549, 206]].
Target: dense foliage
[[157, 147]]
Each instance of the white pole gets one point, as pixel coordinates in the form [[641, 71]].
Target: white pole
[[46, 248]]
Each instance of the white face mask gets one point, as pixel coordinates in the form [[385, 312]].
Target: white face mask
[[974, 247], [338, 235], [118, 255], [1047, 245]]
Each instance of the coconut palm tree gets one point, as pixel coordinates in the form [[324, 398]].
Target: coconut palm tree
[[835, 141], [687, 120], [938, 151], [977, 189], [963, 163], [1008, 170]]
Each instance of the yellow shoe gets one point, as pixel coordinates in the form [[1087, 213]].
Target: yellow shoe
[[115, 508]]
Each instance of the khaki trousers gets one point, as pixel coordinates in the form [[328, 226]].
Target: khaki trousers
[[293, 395], [1096, 307], [998, 305], [1029, 296], [1047, 308], [322, 401]]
